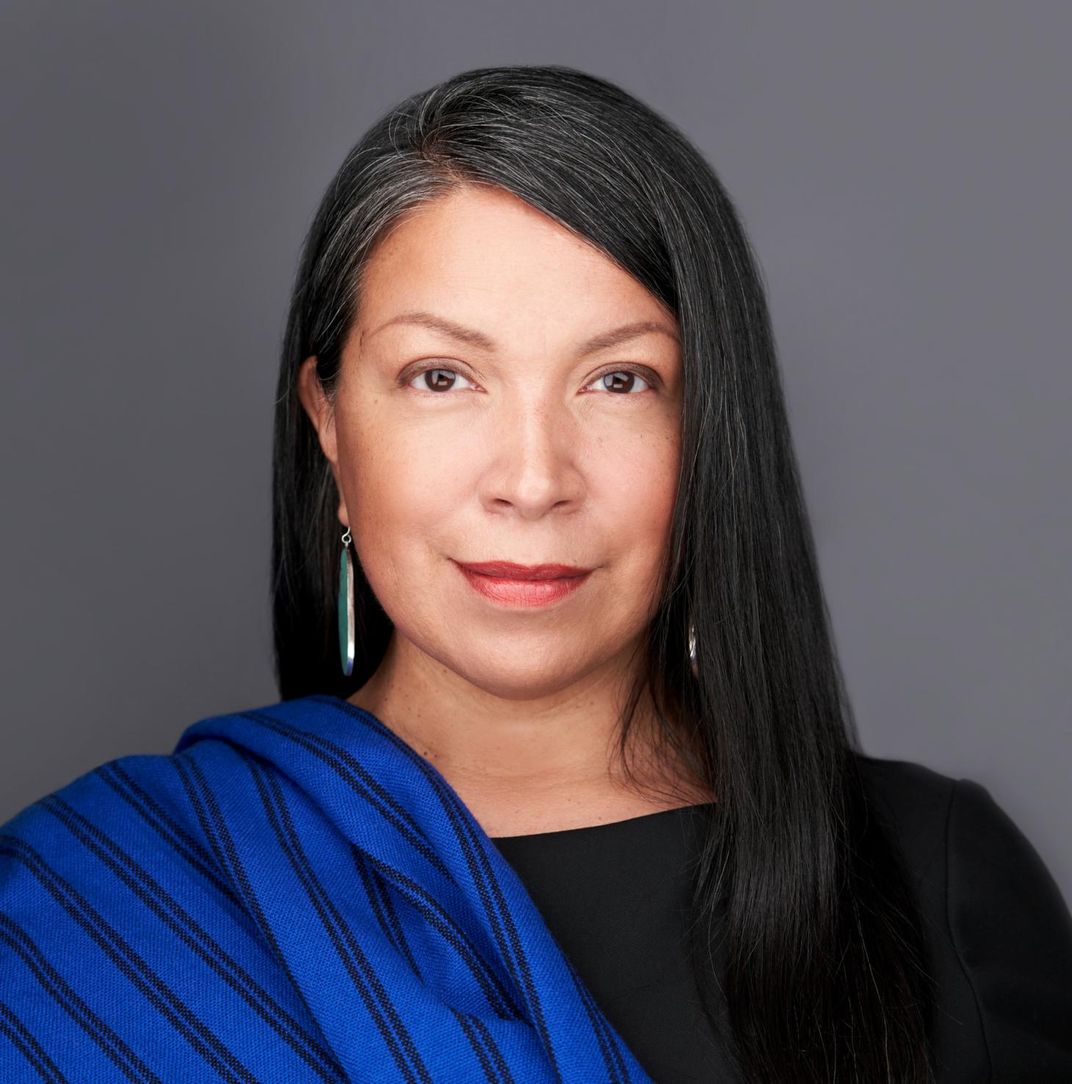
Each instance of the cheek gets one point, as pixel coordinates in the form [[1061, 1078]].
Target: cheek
[[633, 488], [640, 480], [398, 496]]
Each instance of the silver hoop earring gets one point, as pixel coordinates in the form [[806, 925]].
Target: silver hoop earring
[[692, 651], [346, 606]]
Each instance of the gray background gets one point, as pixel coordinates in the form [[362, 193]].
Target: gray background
[[903, 171]]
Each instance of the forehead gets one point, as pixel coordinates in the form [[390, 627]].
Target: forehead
[[480, 249]]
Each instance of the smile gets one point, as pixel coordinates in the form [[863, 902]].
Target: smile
[[512, 591]]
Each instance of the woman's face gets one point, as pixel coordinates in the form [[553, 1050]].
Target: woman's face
[[476, 420]]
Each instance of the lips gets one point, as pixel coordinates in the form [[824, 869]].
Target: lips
[[507, 570], [510, 584]]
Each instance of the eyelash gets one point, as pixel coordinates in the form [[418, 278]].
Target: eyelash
[[633, 370]]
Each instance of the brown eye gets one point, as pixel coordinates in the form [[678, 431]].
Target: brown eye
[[434, 379], [438, 379], [622, 381]]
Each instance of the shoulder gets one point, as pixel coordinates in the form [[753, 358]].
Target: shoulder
[[108, 805], [89, 787], [953, 821], [915, 801], [999, 930], [213, 743], [955, 828]]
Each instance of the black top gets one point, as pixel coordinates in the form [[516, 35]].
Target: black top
[[999, 933]]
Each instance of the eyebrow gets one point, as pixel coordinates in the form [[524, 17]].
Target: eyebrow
[[472, 337]]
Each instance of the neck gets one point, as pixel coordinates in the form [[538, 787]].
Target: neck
[[548, 759]]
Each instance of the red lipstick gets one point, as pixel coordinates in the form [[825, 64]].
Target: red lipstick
[[523, 585]]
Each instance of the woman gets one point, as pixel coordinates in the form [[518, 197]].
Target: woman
[[563, 784]]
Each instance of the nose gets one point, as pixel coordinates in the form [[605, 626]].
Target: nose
[[534, 464]]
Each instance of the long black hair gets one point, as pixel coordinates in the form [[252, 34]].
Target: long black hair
[[806, 940]]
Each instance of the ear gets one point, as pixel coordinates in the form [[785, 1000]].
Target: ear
[[321, 413]]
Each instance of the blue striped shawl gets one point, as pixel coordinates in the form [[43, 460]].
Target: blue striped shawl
[[293, 894]]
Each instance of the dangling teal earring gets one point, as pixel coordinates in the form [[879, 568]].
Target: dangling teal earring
[[692, 651], [346, 606]]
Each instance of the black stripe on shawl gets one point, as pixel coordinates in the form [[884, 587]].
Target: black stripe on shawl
[[353, 772], [169, 829], [331, 753], [466, 1021], [154, 989], [482, 1029], [383, 909], [207, 811], [376, 999], [366, 861], [599, 1025], [482, 877], [169, 911], [499, 999], [114, 1048], [29, 1047]]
